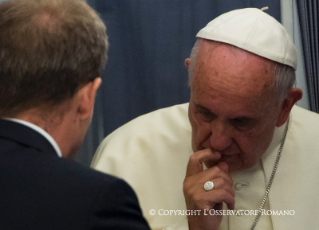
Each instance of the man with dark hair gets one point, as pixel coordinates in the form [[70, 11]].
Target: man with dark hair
[[51, 55]]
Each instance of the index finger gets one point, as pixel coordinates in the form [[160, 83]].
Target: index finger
[[196, 160]]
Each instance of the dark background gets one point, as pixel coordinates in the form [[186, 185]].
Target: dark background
[[149, 41]]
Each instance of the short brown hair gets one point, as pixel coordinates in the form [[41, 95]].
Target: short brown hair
[[48, 50]]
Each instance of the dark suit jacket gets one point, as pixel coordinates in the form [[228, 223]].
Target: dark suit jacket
[[39, 190]]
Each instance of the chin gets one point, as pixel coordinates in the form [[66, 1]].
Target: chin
[[233, 162]]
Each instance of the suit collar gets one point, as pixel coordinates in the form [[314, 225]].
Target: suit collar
[[25, 135]]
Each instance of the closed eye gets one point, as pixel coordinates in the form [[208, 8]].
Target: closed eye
[[206, 115], [243, 123]]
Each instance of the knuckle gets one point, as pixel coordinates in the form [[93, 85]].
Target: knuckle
[[187, 186], [222, 183], [221, 193], [216, 170], [197, 198], [192, 158], [186, 183], [185, 189]]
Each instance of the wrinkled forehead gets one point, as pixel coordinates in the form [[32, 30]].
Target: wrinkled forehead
[[223, 67]]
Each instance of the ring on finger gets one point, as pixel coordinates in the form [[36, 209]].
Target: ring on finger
[[209, 185]]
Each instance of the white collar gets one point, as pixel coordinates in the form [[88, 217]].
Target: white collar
[[39, 130]]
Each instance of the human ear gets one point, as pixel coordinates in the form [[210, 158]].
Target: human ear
[[187, 63], [294, 95], [86, 97]]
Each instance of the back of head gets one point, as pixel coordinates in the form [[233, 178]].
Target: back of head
[[48, 50]]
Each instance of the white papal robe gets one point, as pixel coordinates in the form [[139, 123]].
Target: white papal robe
[[151, 153]]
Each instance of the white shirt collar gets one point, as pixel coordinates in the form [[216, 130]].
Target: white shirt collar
[[39, 130]]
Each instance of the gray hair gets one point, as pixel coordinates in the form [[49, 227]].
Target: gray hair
[[48, 50], [285, 77]]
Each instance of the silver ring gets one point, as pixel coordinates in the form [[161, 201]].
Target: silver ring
[[209, 185]]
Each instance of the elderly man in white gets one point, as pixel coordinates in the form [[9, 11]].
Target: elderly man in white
[[240, 144]]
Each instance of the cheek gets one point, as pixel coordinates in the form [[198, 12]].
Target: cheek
[[200, 131], [253, 147]]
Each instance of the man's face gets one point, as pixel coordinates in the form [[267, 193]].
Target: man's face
[[232, 110]]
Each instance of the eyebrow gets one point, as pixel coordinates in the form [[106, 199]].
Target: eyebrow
[[244, 118], [198, 106]]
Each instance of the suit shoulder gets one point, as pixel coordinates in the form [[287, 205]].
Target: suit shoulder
[[78, 172]]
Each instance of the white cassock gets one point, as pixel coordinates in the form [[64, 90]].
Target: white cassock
[[151, 153]]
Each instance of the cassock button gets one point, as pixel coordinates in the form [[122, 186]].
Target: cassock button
[[241, 185]]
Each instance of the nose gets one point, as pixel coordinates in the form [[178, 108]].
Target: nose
[[220, 138]]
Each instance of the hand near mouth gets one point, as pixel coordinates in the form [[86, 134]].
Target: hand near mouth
[[197, 198]]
